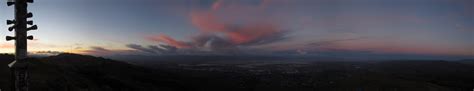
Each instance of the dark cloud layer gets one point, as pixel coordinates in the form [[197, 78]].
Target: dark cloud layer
[[329, 42], [99, 49], [153, 49], [140, 48]]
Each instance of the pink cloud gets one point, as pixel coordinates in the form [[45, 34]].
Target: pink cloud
[[227, 24], [168, 40]]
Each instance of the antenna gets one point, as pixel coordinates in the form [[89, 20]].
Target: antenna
[[19, 67]]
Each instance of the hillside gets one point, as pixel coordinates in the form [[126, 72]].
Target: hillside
[[72, 72]]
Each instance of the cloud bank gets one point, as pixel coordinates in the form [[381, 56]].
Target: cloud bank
[[221, 32]]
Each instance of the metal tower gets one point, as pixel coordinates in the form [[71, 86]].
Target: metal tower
[[19, 66]]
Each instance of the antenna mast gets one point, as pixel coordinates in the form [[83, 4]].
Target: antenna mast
[[19, 24]]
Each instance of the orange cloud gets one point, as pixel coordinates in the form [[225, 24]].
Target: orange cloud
[[212, 22], [227, 24], [252, 33], [168, 40], [216, 5], [207, 22], [7, 45]]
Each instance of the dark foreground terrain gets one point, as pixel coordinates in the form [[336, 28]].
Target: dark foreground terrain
[[71, 72]]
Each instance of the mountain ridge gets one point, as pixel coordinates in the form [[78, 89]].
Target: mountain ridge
[[74, 72]]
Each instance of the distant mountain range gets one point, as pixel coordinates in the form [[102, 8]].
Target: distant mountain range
[[74, 72]]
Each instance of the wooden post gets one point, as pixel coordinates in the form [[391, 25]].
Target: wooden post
[[19, 67]]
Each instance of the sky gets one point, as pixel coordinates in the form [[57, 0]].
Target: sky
[[363, 28]]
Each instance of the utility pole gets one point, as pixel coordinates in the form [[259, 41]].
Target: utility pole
[[19, 67]]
